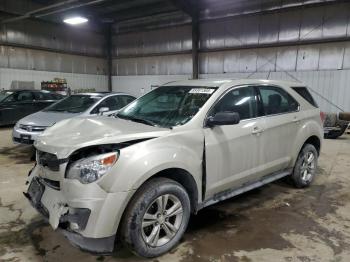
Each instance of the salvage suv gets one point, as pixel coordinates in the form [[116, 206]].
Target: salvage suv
[[179, 148]]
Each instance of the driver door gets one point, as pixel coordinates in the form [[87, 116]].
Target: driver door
[[232, 151]]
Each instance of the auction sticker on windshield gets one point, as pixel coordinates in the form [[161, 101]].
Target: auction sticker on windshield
[[208, 91]]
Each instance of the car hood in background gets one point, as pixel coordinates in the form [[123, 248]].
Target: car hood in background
[[69, 135], [43, 118]]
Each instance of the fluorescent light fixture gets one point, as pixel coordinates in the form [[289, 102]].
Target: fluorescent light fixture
[[75, 20]]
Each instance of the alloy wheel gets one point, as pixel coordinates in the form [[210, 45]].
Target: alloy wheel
[[308, 167], [162, 220]]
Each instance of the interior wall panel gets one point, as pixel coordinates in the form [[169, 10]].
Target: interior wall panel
[[154, 65], [175, 39], [139, 85], [30, 59], [316, 23], [53, 36], [326, 56], [75, 81]]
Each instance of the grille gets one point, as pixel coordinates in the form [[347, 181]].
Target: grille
[[48, 160], [30, 128]]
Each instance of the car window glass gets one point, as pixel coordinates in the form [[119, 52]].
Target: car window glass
[[110, 102], [124, 100], [302, 91], [168, 106], [276, 101], [4, 95], [43, 96], [241, 100], [74, 104], [11, 98], [25, 96]]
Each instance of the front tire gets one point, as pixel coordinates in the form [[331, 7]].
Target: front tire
[[156, 218], [305, 167]]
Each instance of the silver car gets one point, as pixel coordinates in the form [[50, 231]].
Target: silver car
[[179, 148], [27, 130]]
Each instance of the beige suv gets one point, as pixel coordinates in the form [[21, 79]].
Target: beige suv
[[181, 147]]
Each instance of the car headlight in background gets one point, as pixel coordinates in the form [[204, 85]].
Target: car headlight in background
[[88, 170]]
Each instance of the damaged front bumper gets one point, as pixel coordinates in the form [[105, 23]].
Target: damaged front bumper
[[63, 218], [86, 214]]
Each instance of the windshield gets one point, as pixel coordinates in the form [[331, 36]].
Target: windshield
[[167, 106], [74, 104], [4, 94]]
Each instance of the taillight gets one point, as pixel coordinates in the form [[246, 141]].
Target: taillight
[[323, 116]]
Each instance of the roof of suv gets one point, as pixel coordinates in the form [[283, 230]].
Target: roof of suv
[[219, 82]]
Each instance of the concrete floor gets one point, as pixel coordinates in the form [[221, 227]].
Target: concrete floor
[[273, 223]]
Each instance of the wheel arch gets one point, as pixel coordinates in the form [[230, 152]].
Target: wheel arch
[[315, 141], [185, 179]]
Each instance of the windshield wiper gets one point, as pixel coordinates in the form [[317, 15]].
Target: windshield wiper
[[138, 120], [56, 110]]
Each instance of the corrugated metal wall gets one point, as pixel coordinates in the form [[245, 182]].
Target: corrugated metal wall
[[293, 58], [60, 38], [75, 81], [31, 50], [167, 40], [309, 38], [311, 43], [30, 59]]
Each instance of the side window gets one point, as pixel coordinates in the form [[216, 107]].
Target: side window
[[241, 100], [277, 101], [110, 102], [25, 96], [11, 98], [302, 91], [39, 96], [124, 100]]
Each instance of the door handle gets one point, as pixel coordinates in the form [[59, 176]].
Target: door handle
[[257, 130]]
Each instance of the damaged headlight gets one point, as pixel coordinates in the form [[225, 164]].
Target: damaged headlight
[[88, 170]]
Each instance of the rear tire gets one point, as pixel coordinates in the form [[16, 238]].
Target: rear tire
[[305, 167], [156, 218]]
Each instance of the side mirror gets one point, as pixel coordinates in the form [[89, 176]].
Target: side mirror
[[223, 119], [103, 110]]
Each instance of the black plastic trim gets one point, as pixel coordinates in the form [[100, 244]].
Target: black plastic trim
[[101, 246]]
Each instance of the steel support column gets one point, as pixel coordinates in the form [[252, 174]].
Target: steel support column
[[195, 45], [109, 55]]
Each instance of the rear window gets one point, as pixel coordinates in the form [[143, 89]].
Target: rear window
[[301, 90]]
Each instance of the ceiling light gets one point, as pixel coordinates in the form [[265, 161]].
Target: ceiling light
[[75, 20]]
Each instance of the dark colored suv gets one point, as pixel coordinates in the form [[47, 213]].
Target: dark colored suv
[[16, 104]]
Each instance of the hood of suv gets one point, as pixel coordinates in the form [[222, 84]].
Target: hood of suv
[[72, 134], [43, 118]]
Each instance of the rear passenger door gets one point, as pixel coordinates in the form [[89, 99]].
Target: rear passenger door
[[281, 112]]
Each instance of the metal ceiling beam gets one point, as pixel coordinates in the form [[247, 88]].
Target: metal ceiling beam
[[142, 11]]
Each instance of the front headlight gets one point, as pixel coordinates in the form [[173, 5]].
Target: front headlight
[[88, 170]]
